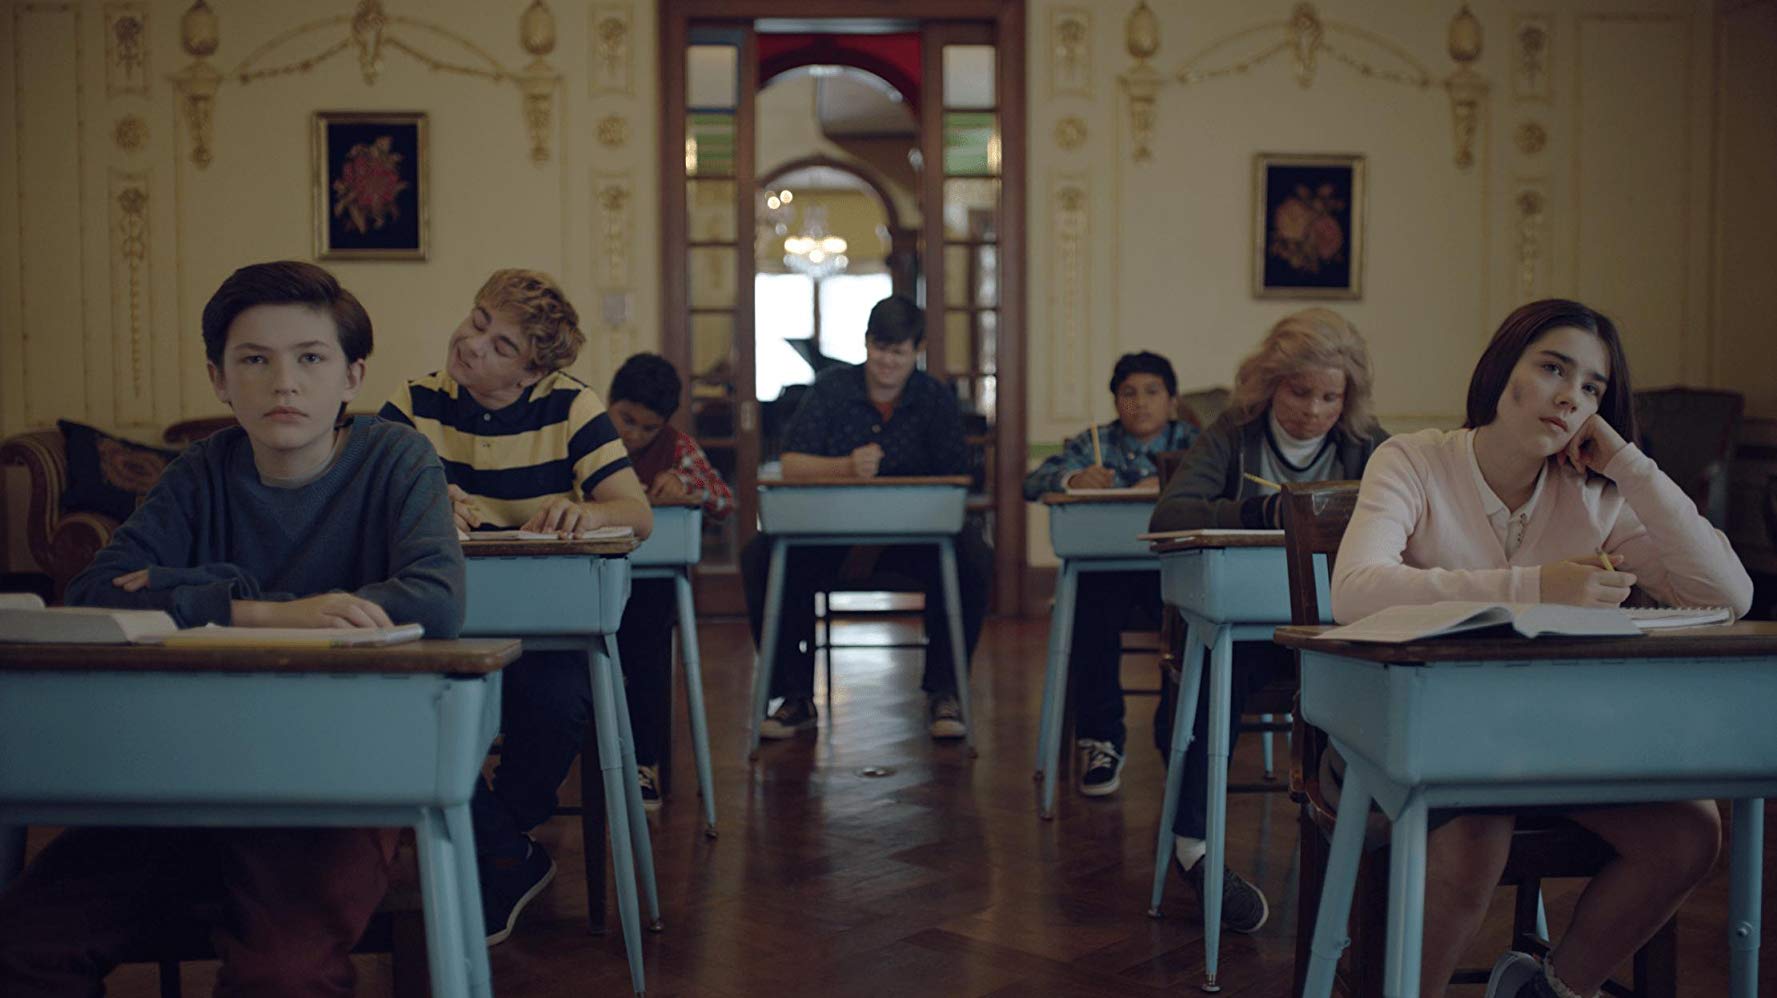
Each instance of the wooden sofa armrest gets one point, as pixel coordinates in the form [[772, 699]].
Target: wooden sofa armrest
[[62, 545]]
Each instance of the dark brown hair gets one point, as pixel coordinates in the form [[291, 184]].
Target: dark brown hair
[[1523, 328], [896, 319], [286, 282]]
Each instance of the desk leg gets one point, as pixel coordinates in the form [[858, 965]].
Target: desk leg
[[1061, 637], [12, 852], [766, 659], [1746, 879], [1221, 673], [632, 789], [1335, 892], [441, 898], [610, 761], [462, 844], [700, 729], [1184, 719], [1406, 900], [959, 649]]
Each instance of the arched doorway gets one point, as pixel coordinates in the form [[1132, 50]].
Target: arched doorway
[[958, 65]]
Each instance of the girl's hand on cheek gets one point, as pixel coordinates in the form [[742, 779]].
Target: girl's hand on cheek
[[1593, 446]]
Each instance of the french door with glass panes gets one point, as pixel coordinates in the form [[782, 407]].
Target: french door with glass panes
[[967, 274]]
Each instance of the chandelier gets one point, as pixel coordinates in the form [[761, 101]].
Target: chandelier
[[813, 252]]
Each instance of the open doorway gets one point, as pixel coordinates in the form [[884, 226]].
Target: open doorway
[[799, 153]]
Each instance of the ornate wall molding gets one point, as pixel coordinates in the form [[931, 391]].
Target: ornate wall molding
[[130, 133], [1070, 261], [131, 303], [1533, 43], [126, 49], [1070, 132], [1070, 52], [1530, 216], [613, 50], [613, 199], [370, 32], [1305, 37], [1531, 137], [612, 131]]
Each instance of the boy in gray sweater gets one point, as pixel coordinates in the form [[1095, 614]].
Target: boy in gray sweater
[[295, 518]]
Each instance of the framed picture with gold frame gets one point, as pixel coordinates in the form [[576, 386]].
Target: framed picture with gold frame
[[1308, 225], [370, 185]]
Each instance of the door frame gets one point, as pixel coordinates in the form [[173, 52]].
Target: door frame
[[1006, 19]]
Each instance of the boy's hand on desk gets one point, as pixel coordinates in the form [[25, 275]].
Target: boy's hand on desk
[[1095, 476], [564, 516], [464, 510], [866, 461], [134, 581], [325, 610], [666, 486], [1584, 583]]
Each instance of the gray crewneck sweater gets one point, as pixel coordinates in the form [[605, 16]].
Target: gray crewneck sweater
[[376, 524]]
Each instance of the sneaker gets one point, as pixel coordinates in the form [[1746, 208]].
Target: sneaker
[[793, 715], [1244, 908], [649, 778], [1101, 768], [507, 885], [944, 716], [1513, 973]]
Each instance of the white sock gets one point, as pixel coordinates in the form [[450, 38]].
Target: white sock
[[1188, 851]]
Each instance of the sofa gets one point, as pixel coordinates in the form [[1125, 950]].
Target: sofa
[[65, 528]]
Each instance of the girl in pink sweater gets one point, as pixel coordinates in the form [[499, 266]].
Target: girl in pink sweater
[[1517, 507]]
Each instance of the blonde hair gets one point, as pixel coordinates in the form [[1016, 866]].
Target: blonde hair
[[543, 312], [1315, 337]]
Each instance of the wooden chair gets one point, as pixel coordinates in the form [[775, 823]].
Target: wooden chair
[[1314, 519], [1691, 434]]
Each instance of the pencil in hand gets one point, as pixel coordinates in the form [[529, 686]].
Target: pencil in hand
[[1266, 482], [1097, 454], [1604, 559]]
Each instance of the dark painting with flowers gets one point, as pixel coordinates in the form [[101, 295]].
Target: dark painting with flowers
[[1308, 226], [370, 185]]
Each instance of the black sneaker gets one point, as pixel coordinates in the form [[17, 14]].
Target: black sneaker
[[507, 885], [1101, 768], [944, 716], [649, 778], [1244, 908], [793, 715]]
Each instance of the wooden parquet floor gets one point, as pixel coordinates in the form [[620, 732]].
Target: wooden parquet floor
[[937, 880]]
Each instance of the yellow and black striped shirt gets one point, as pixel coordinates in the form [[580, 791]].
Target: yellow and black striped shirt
[[557, 439]]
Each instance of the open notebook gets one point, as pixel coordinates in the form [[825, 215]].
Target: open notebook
[[595, 534], [24, 618], [1400, 624]]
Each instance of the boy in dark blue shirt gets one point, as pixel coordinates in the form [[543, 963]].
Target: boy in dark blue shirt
[[879, 418], [291, 519]]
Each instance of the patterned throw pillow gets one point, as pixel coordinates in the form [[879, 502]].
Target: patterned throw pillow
[[107, 474]]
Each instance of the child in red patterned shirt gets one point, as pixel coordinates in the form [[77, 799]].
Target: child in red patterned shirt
[[644, 395]]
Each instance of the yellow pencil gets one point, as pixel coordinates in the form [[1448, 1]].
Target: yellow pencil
[[1268, 483], [1097, 455], [1605, 558]]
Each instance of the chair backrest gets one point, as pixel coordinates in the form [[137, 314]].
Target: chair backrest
[[1167, 462], [1315, 515], [1314, 519], [1690, 433], [1201, 407]]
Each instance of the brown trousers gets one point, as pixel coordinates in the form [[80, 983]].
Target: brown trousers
[[283, 907]]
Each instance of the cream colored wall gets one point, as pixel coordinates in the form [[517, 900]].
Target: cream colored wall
[[1624, 179], [69, 344]]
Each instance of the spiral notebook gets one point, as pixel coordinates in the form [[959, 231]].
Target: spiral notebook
[[1414, 622]]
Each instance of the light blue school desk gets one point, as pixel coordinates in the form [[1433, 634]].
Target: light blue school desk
[[1228, 585], [671, 551], [1502, 720], [267, 737], [1095, 533], [832, 512], [570, 595]]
